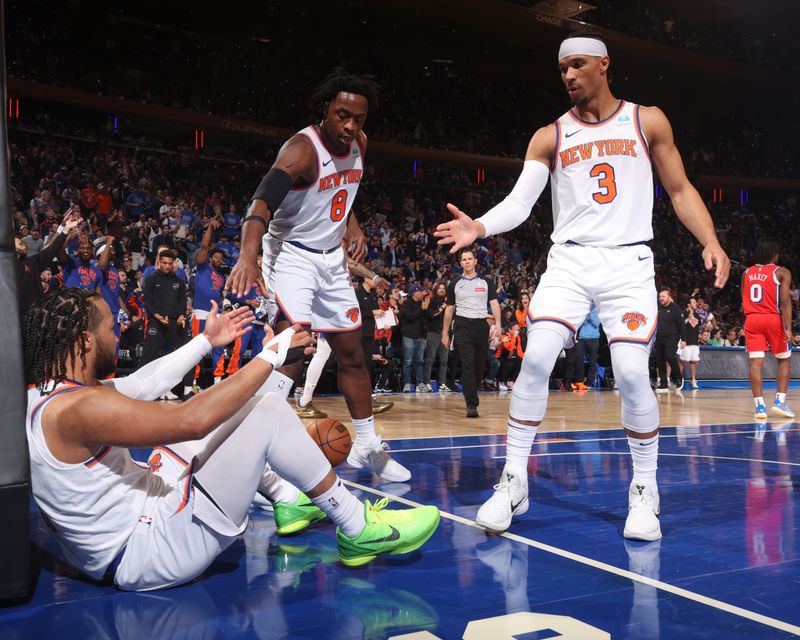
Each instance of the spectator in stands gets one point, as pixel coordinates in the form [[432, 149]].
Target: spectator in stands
[[435, 351], [690, 340], [589, 343], [30, 269], [33, 241], [511, 353], [412, 327]]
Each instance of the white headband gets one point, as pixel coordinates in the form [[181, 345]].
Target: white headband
[[582, 46]]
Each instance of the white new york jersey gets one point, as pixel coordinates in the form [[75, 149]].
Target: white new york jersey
[[316, 215], [602, 180], [92, 505]]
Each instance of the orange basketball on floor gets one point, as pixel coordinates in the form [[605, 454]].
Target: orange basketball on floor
[[332, 437]]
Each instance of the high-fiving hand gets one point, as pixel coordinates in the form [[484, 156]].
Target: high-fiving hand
[[460, 232], [224, 329]]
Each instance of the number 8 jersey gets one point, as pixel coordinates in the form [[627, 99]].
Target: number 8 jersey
[[602, 180], [316, 215]]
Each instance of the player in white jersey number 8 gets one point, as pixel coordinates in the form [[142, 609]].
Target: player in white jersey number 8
[[301, 214], [598, 158]]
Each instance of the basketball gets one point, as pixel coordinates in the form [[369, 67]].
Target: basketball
[[332, 437]]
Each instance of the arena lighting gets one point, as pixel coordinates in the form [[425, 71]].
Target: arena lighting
[[481, 175], [717, 194], [199, 139], [13, 108], [415, 168], [744, 197]]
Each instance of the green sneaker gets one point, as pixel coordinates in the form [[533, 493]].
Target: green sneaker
[[291, 517], [394, 531]]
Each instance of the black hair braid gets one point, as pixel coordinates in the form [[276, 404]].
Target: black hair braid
[[339, 80], [54, 329]]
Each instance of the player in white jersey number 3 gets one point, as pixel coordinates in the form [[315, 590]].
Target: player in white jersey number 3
[[308, 194], [598, 158]]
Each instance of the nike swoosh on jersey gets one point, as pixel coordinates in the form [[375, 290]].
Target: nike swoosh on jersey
[[325, 164], [394, 535], [569, 135], [643, 258]]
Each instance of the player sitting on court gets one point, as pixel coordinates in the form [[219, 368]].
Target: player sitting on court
[[162, 524]]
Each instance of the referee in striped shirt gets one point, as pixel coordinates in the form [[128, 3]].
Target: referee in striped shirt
[[469, 297]]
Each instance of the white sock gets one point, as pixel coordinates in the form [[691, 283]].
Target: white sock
[[275, 488], [759, 400], [518, 446], [308, 393], [343, 508], [186, 390], [276, 383], [780, 397], [645, 459], [365, 431]]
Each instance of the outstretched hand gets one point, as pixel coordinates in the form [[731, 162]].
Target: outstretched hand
[[243, 276], [224, 329], [460, 232], [715, 256]]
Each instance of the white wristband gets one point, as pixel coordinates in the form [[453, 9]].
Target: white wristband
[[61, 229], [284, 341], [268, 355]]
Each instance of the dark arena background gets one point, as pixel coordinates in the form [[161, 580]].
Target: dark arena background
[[155, 123]]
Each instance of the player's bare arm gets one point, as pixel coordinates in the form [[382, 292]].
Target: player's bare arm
[[296, 160], [202, 254], [688, 204], [785, 278], [462, 231], [76, 424], [355, 241]]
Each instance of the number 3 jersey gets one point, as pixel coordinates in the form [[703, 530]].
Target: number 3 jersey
[[602, 180], [315, 215], [761, 290]]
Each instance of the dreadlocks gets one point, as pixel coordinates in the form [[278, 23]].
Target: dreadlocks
[[341, 81], [55, 328]]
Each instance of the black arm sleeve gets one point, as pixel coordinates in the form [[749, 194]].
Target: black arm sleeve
[[273, 188], [50, 252], [491, 288]]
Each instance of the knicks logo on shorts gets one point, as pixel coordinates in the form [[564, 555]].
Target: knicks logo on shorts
[[633, 320], [352, 314], [155, 463]]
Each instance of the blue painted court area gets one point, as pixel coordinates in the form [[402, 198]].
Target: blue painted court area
[[727, 566]]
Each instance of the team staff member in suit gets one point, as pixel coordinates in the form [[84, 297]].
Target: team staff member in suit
[[165, 301], [468, 298]]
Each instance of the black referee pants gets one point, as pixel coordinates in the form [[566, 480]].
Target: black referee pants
[[471, 344]]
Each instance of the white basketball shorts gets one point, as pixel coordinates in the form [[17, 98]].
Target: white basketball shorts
[[180, 531], [690, 353], [618, 281], [311, 288]]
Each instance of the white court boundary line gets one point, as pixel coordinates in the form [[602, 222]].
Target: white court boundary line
[[674, 455], [602, 566], [568, 441]]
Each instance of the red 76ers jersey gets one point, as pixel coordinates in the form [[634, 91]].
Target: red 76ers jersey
[[316, 215], [761, 290]]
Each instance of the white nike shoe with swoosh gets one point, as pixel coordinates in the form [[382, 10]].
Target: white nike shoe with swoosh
[[510, 498]]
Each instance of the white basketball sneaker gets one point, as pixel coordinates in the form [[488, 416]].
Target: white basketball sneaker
[[377, 460], [510, 498], [643, 510]]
